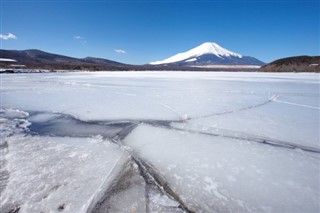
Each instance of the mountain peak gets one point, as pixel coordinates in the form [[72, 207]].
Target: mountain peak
[[210, 44], [207, 48], [215, 49]]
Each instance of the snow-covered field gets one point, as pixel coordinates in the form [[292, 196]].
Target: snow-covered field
[[160, 142]]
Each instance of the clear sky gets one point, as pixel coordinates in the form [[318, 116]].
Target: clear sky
[[139, 32]]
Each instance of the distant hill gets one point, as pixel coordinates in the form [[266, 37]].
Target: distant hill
[[37, 59], [294, 64]]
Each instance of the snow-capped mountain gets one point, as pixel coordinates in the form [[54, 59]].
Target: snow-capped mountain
[[209, 53]]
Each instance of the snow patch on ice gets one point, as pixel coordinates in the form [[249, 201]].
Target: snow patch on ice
[[212, 187], [13, 114]]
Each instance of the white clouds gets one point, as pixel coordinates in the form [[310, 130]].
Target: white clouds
[[7, 37], [78, 37], [120, 51], [81, 39]]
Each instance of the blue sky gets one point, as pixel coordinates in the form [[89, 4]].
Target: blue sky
[[139, 32]]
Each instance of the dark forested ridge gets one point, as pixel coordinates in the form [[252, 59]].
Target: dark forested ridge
[[294, 64]]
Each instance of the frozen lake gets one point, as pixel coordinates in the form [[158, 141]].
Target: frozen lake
[[160, 142]]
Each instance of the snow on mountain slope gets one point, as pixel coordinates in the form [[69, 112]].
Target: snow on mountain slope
[[203, 49]]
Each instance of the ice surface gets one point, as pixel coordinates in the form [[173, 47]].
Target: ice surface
[[112, 96], [88, 99], [215, 174], [223, 142]]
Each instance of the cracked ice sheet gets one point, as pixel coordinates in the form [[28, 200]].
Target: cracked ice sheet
[[292, 117], [277, 121], [215, 174], [112, 96], [46, 173]]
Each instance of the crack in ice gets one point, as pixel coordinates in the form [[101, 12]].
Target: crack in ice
[[296, 104], [271, 99], [257, 139]]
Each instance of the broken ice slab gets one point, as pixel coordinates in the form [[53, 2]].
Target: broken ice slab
[[130, 192], [126, 194], [215, 174], [48, 174]]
